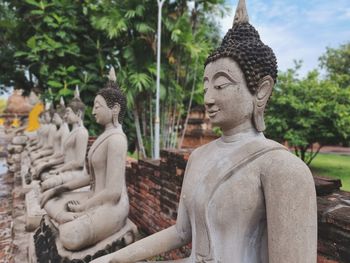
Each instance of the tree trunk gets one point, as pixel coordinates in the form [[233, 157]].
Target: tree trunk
[[138, 133], [151, 126], [189, 105]]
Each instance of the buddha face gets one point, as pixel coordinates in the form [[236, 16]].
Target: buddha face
[[70, 116], [102, 113], [227, 99], [57, 120]]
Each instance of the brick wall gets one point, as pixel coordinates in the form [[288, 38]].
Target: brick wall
[[154, 190]]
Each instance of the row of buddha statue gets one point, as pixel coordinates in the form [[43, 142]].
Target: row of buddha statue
[[84, 202], [244, 199]]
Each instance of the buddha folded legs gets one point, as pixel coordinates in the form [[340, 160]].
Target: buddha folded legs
[[87, 223]]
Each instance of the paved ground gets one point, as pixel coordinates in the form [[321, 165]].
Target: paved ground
[[336, 149]]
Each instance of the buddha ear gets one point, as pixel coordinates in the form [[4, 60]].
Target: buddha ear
[[116, 108], [115, 114], [262, 95], [79, 114]]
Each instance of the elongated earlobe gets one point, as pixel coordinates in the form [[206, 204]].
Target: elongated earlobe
[[262, 96], [115, 115]]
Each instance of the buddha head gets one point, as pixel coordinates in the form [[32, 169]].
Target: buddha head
[[110, 103], [75, 109], [60, 112], [239, 77], [48, 113]]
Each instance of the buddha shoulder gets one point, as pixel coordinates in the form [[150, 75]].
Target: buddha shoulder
[[118, 140], [199, 151], [282, 169]]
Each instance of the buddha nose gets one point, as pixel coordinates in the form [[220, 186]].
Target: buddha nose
[[208, 101]]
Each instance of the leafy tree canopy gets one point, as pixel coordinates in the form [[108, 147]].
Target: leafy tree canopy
[[308, 111], [336, 61], [58, 44]]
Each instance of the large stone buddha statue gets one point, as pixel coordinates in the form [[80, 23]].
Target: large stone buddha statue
[[87, 217], [244, 199], [75, 146]]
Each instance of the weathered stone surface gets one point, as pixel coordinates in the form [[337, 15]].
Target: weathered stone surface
[[334, 226], [33, 211], [325, 186], [49, 249]]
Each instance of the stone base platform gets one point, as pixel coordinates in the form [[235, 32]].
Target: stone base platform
[[33, 211], [49, 249]]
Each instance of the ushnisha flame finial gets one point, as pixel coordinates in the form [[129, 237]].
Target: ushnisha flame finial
[[77, 92], [112, 76], [62, 102], [241, 15]]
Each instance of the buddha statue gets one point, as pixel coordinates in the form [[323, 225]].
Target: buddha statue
[[39, 141], [75, 146], [85, 218], [57, 158], [48, 138], [244, 199]]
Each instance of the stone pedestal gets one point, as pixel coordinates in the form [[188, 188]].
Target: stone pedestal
[[33, 211], [49, 249]]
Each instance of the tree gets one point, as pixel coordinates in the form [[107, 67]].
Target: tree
[[187, 37], [336, 61], [58, 44], [308, 113]]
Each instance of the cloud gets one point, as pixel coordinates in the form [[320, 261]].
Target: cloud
[[298, 30]]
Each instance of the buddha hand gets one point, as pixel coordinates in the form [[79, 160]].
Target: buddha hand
[[75, 206], [54, 172]]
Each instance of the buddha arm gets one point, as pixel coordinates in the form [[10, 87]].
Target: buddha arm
[[291, 210], [51, 162], [50, 138], [115, 173], [163, 241], [81, 141], [77, 183], [69, 186]]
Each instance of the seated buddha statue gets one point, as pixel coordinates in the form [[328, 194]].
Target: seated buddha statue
[[57, 158], [74, 147], [245, 198], [38, 141], [85, 218], [48, 137]]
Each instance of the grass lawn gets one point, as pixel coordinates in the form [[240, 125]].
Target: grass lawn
[[333, 165]]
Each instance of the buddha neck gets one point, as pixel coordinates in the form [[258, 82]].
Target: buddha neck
[[111, 126], [76, 125], [241, 135]]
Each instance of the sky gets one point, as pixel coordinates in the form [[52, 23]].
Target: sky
[[297, 29]]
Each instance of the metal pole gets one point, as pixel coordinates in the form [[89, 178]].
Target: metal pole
[[156, 120]]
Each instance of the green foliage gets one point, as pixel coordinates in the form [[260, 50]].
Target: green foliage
[[63, 43], [332, 165], [309, 110], [336, 61]]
